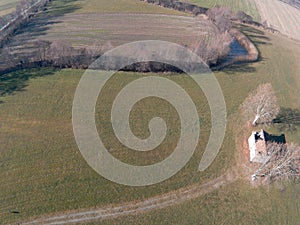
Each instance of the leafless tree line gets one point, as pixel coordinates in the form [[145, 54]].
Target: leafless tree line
[[179, 5], [211, 48], [44, 53], [61, 54], [219, 48], [221, 17], [25, 9]]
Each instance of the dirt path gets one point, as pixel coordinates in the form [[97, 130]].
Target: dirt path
[[130, 208]]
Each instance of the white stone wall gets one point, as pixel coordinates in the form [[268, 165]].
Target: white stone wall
[[252, 147]]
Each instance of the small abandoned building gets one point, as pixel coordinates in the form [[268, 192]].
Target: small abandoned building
[[258, 144]]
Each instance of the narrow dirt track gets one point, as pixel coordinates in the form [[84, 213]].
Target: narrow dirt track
[[130, 208]]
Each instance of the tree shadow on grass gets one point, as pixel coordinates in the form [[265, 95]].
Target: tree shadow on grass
[[17, 81], [40, 23], [257, 37], [288, 119], [22, 42], [252, 29], [12, 82], [239, 68]]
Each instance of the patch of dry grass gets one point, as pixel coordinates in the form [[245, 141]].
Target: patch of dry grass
[[248, 6], [7, 6]]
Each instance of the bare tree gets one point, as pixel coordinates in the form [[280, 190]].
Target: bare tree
[[42, 48], [261, 105], [8, 57], [60, 52], [96, 49], [221, 16], [26, 7], [243, 17], [107, 46], [211, 48], [22, 6], [282, 163], [2, 22]]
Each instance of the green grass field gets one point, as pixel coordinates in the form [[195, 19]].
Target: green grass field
[[42, 168], [248, 6], [232, 204], [43, 171], [239, 202], [37, 145], [7, 6]]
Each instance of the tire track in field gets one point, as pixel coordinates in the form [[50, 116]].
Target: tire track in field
[[157, 202]]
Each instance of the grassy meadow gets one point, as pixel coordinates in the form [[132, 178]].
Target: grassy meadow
[[41, 164], [45, 173], [42, 170], [248, 6], [240, 202], [232, 204], [7, 6]]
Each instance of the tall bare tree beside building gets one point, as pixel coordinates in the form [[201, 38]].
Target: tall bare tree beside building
[[261, 105]]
